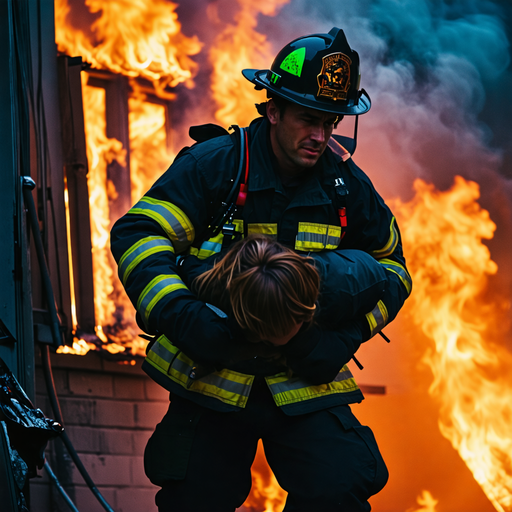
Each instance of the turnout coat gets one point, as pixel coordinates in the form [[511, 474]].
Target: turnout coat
[[334, 210]]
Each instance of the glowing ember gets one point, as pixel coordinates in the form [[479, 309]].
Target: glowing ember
[[137, 39], [450, 265], [80, 348], [231, 91], [427, 503]]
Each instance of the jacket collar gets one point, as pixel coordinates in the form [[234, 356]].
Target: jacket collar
[[262, 175]]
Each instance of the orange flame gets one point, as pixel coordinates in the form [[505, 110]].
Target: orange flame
[[427, 503], [136, 38], [237, 47], [443, 233], [149, 152], [100, 152], [80, 347], [266, 494]]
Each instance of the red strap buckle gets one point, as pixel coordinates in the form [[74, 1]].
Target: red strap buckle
[[342, 212], [242, 195]]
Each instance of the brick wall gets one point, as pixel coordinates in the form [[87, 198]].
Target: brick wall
[[109, 411]]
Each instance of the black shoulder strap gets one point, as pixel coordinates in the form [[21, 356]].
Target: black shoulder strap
[[206, 132], [228, 206], [202, 133]]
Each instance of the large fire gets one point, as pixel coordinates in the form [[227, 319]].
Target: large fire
[[450, 265], [229, 88], [442, 230], [136, 39]]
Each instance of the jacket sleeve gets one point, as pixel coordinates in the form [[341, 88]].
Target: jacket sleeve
[[161, 225], [372, 228], [351, 316]]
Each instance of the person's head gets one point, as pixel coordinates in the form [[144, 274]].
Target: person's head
[[270, 290], [318, 75], [298, 134]]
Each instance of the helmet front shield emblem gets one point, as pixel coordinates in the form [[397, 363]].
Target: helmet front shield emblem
[[334, 78], [318, 71]]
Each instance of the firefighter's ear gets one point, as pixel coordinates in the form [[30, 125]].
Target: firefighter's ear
[[272, 112]]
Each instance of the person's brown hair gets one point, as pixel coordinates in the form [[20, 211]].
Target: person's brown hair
[[267, 287]]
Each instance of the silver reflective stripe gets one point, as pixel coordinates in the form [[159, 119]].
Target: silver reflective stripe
[[225, 384], [214, 383], [318, 238], [162, 352], [140, 251], [390, 244], [379, 319], [171, 219], [211, 246], [295, 383], [392, 266], [157, 288], [343, 375], [174, 223]]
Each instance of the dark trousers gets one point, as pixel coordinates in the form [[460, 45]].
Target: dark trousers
[[326, 460]]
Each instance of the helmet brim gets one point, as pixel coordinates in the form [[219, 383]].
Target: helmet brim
[[259, 78]]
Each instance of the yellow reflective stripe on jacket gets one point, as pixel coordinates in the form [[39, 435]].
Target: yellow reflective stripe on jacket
[[171, 219], [286, 390], [157, 288], [317, 237], [262, 229], [226, 385], [400, 271], [140, 251], [378, 318], [214, 245], [390, 244]]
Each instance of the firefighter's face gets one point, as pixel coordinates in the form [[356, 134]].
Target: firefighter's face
[[299, 136]]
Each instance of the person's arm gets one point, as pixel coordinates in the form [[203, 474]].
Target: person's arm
[[319, 353], [162, 225], [374, 230]]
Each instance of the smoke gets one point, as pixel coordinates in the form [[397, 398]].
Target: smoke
[[439, 74]]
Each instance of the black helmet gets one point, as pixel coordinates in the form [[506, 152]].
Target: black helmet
[[319, 71]]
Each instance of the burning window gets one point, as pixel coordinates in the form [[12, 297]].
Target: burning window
[[132, 58]]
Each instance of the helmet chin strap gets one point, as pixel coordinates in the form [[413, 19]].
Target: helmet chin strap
[[356, 124]]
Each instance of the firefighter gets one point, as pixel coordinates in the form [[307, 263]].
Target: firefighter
[[300, 187]]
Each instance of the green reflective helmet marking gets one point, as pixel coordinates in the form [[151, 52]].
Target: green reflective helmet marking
[[294, 61], [274, 77]]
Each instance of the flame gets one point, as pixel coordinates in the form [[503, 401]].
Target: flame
[[74, 321], [100, 152], [231, 91], [80, 348], [140, 39], [136, 38], [266, 494], [149, 152], [443, 234], [427, 502]]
